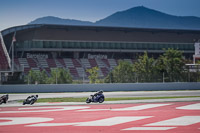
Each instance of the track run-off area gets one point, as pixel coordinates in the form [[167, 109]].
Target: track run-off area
[[166, 117]]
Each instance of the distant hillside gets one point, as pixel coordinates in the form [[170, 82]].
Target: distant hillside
[[139, 17], [59, 21]]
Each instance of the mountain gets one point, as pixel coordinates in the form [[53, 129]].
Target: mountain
[[138, 17], [59, 21], [147, 18]]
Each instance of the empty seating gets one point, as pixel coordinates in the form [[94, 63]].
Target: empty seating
[[105, 71], [74, 72], [31, 63], [76, 63], [112, 63], [26, 70], [24, 62], [77, 67], [100, 63], [60, 63], [93, 62], [85, 63], [81, 72], [106, 62], [43, 63], [51, 63], [69, 62]]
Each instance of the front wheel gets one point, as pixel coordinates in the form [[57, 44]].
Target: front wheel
[[101, 100], [24, 102], [1, 101], [88, 100]]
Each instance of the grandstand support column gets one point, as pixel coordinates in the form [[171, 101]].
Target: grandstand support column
[[76, 55], [13, 40], [0, 78], [12, 58]]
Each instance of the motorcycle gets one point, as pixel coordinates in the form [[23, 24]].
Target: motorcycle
[[4, 99], [99, 97], [30, 100]]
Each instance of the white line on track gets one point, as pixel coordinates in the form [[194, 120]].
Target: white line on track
[[50, 109], [180, 121], [51, 124], [23, 120], [113, 121], [103, 122], [149, 128], [140, 107], [94, 110], [195, 106]]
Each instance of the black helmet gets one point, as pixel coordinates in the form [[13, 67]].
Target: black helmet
[[36, 95]]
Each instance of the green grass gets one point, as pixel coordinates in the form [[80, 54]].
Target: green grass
[[82, 99]]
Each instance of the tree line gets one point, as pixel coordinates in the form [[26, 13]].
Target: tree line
[[169, 67], [57, 76]]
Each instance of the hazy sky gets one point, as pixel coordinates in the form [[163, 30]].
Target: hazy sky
[[20, 12]]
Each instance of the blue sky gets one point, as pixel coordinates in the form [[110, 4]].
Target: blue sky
[[20, 12]]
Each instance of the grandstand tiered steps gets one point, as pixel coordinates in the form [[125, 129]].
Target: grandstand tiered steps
[[76, 67]]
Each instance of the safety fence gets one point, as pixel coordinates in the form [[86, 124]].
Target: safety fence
[[48, 88]]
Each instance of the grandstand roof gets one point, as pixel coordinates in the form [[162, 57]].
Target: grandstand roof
[[125, 29], [100, 33], [46, 37]]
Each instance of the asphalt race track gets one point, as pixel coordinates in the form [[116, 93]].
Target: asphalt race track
[[110, 94], [166, 117]]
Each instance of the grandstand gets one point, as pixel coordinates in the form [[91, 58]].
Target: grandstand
[[4, 57], [77, 48]]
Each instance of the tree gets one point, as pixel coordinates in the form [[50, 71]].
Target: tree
[[59, 76], [94, 75], [43, 77], [109, 78], [35, 76], [171, 63], [145, 68], [123, 73]]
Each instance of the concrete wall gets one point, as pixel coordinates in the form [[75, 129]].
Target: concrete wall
[[94, 87]]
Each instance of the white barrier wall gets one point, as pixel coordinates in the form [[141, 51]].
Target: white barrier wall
[[95, 87]]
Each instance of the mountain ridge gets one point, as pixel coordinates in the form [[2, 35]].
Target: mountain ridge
[[137, 17]]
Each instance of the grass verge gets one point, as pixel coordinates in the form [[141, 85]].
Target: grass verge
[[82, 99]]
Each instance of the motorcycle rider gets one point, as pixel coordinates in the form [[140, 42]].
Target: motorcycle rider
[[32, 96], [97, 93], [97, 97], [5, 98]]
